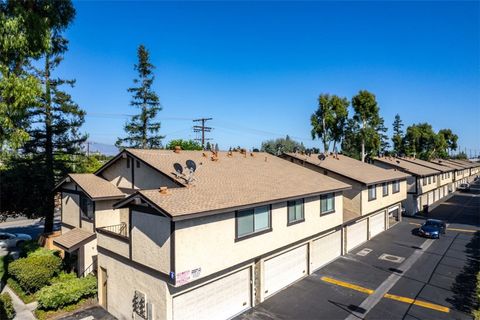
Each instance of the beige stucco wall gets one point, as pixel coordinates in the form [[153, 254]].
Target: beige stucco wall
[[122, 281], [381, 201], [88, 225], [151, 240], [429, 186], [148, 178], [113, 244], [446, 180], [105, 215], [71, 209], [209, 242], [88, 251], [118, 173]]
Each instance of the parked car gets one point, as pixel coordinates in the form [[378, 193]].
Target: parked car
[[432, 228], [12, 240], [464, 187]]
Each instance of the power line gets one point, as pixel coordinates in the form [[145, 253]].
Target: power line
[[202, 128]]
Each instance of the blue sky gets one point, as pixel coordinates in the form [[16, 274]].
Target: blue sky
[[257, 68]]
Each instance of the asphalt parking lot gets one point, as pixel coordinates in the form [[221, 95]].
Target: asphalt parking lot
[[430, 279]]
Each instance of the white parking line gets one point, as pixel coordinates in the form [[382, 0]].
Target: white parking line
[[372, 300]]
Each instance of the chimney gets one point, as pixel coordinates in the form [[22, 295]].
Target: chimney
[[177, 149], [163, 190]]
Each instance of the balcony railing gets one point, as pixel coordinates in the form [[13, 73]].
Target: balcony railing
[[118, 230]]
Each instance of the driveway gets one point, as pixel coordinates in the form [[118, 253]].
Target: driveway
[[400, 276]]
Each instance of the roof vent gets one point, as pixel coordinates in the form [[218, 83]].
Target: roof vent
[[177, 149], [265, 159], [230, 154], [321, 157], [163, 190], [398, 161], [251, 154]]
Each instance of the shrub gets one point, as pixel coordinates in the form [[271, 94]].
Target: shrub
[[67, 292], [6, 307], [63, 277], [28, 247], [35, 271]]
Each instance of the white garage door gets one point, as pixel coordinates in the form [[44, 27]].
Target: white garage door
[[356, 234], [377, 224], [284, 269], [326, 249], [221, 299]]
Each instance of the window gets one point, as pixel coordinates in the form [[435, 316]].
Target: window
[[429, 179], [372, 192], [385, 189], [434, 179], [396, 186], [138, 164], [327, 203], [295, 211], [424, 181], [86, 207], [252, 221]]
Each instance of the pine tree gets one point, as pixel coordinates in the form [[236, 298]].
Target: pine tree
[[54, 130], [142, 130], [383, 137], [397, 137]]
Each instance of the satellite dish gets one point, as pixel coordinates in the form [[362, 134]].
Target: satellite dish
[[321, 156], [178, 168], [191, 165]]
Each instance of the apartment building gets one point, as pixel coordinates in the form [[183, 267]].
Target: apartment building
[[87, 203], [374, 202], [462, 172], [445, 182], [471, 168], [421, 186], [211, 234]]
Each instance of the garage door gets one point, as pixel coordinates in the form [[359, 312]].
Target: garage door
[[356, 234], [393, 216], [326, 249], [377, 224], [221, 299], [285, 269]]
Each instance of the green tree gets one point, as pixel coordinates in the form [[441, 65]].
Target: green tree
[[450, 139], [328, 121], [384, 145], [25, 36], [184, 144], [281, 145], [367, 115], [142, 130], [397, 137], [421, 141], [352, 140]]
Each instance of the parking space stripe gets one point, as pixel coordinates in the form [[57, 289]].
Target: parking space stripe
[[417, 302], [462, 230], [347, 285]]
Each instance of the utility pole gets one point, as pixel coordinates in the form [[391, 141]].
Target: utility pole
[[202, 128]]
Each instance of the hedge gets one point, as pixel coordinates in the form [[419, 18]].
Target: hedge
[[35, 271], [6, 307], [67, 292]]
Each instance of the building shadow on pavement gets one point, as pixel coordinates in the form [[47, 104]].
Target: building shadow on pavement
[[465, 286]]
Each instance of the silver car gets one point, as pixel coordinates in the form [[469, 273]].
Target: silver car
[[12, 240]]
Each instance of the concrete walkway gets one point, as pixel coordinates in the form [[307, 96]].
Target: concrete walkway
[[24, 311]]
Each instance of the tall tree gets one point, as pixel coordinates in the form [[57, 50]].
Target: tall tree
[[24, 35], [367, 115], [352, 140], [450, 139], [397, 135], [421, 141], [384, 145], [142, 130], [328, 121]]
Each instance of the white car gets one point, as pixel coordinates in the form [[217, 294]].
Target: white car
[[12, 240], [464, 187]]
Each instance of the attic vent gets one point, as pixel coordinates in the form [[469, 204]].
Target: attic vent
[[398, 161], [321, 157]]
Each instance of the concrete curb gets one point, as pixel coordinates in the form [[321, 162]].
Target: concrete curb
[[24, 312]]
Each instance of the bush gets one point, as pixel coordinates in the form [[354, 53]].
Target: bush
[[63, 277], [35, 271], [67, 292], [6, 307], [28, 247]]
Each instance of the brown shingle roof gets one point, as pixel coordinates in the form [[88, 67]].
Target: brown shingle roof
[[231, 182], [429, 164], [351, 168], [73, 239], [96, 187], [408, 166], [464, 164], [448, 164]]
